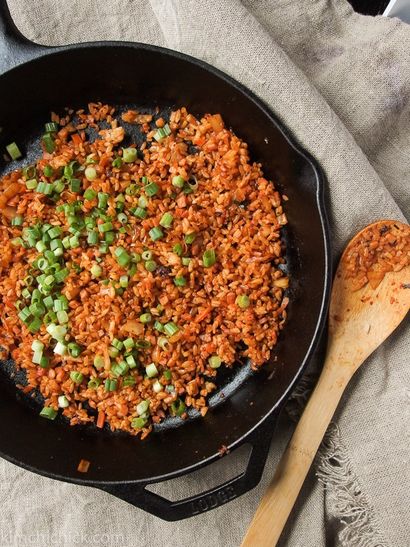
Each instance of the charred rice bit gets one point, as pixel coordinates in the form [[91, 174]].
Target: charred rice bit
[[209, 272], [377, 251]]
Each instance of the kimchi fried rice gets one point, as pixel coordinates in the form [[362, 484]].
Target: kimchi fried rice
[[129, 275]]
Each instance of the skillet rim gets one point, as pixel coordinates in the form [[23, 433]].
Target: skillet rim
[[320, 179]]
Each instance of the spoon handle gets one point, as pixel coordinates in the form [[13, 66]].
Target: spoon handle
[[277, 503]]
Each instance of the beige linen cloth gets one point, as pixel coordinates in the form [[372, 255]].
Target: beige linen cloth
[[341, 82]]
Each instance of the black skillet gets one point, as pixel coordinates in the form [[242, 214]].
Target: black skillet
[[36, 80]]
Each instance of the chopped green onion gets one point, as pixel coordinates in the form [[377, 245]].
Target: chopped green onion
[[102, 200], [75, 185], [117, 162], [37, 309], [180, 281], [151, 370], [215, 361], [54, 232], [190, 238], [178, 181], [142, 407], [17, 220], [90, 173], [243, 301], [131, 362], [90, 159], [60, 348], [163, 342], [177, 248], [128, 343], [48, 143], [109, 237], [48, 302], [138, 423], [122, 217], [151, 189], [105, 227], [146, 255], [25, 293], [96, 270], [129, 381], [186, 261], [178, 407], [131, 190], [157, 387], [92, 238], [74, 242], [99, 362], [145, 318], [162, 132], [51, 127], [44, 188], [48, 413], [45, 362], [171, 328], [57, 332], [29, 172], [113, 352], [156, 233], [31, 184], [70, 168], [63, 401], [37, 357], [142, 344], [90, 194], [159, 326], [13, 151], [76, 377], [110, 385], [74, 349], [209, 258], [120, 369], [37, 345], [123, 258], [94, 383], [58, 186], [61, 303], [142, 202], [35, 325], [129, 155], [150, 265], [117, 344], [167, 374], [140, 212], [62, 317], [124, 281], [166, 220], [48, 171]]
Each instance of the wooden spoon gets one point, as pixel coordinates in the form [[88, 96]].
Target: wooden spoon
[[359, 321]]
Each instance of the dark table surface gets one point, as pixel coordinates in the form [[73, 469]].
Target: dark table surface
[[369, 7]]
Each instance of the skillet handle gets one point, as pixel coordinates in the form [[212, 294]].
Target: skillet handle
[[14, 47], [168, 510]]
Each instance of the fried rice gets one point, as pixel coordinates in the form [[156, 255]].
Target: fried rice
[[130, 275]]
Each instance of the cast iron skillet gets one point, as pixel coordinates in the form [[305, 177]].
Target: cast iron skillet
[[36, 80]]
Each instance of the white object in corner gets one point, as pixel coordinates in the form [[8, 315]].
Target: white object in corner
[[398, 8]]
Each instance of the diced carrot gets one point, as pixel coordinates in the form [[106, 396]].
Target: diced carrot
[[201, 316], [76, 139], [83, 466], [101, 419]]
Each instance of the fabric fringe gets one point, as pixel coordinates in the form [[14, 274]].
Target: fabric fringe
[[347, 502]]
